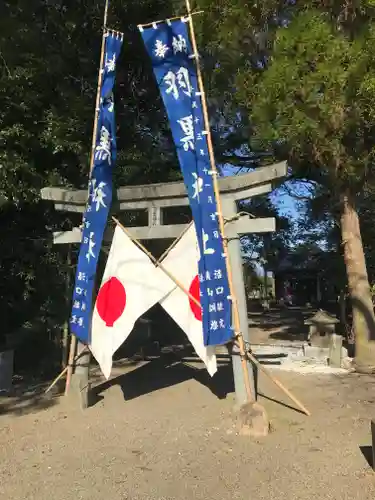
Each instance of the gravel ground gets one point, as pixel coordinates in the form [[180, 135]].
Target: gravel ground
[[174, 439]]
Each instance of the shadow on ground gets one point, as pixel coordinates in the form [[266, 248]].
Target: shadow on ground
[[172, 369], [164, 371], [28, 398], [368, 454], [282, 324]]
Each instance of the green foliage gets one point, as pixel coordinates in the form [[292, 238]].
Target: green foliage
[[313, 102], [49, 56], [306, 89]]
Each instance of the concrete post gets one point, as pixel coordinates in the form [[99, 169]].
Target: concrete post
[[229, 207], [335, 350], [80, 378], [155, 216]]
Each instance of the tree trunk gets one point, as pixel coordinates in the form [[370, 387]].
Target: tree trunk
[[342, 308], [359, 288]]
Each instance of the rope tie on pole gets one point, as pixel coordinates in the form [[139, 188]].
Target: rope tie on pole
[[237, 216]]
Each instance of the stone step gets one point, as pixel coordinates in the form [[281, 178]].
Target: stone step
[[275, 354]]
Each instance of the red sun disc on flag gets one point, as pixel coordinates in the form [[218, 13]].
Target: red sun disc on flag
[[194, 291], [111, 301]]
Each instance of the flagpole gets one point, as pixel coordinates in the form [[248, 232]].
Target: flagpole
[[236, 316], [100, 81], [171, 247], [73, 342]]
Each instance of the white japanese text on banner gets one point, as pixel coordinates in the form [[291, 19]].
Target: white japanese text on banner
[[100, 196], [170, 50]]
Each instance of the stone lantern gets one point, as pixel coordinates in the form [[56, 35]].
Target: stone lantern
[[321, 326], [323, 339]]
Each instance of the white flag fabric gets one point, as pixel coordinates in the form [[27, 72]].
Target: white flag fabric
[[131, 285], [182, 263]]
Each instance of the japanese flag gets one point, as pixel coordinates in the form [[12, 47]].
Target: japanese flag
[[131, 285], [182, 263]]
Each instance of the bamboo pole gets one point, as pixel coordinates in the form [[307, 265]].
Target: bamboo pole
[[100, 81], [70, 365], [73, 342], [65, 339], [236, 316], [62, 373], [278, 383], [173, 244], [157, 262]]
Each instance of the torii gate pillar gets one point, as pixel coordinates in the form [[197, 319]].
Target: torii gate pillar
[[229, 207]]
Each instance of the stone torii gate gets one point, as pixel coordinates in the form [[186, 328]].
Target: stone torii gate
[[155, 199]]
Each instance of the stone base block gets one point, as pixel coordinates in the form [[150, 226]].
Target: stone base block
[[253, 420]]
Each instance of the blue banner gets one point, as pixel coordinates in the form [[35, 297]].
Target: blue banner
[[172, 57], [99, 196]]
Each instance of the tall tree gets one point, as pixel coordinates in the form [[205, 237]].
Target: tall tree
[[309, 90]]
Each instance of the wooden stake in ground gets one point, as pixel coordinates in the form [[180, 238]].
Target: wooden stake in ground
[[236, 316], [73, 342], [278, 383], [61, 374]]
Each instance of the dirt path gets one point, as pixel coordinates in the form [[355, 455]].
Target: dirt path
[[178, 442]]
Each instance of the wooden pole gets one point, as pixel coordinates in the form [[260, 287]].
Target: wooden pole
[[65, 339], [70, 366], [173, 244], [236, 316], [100, 81], [73, 343], [157, 262], [278, 383], [244, 354], [62, 373]]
